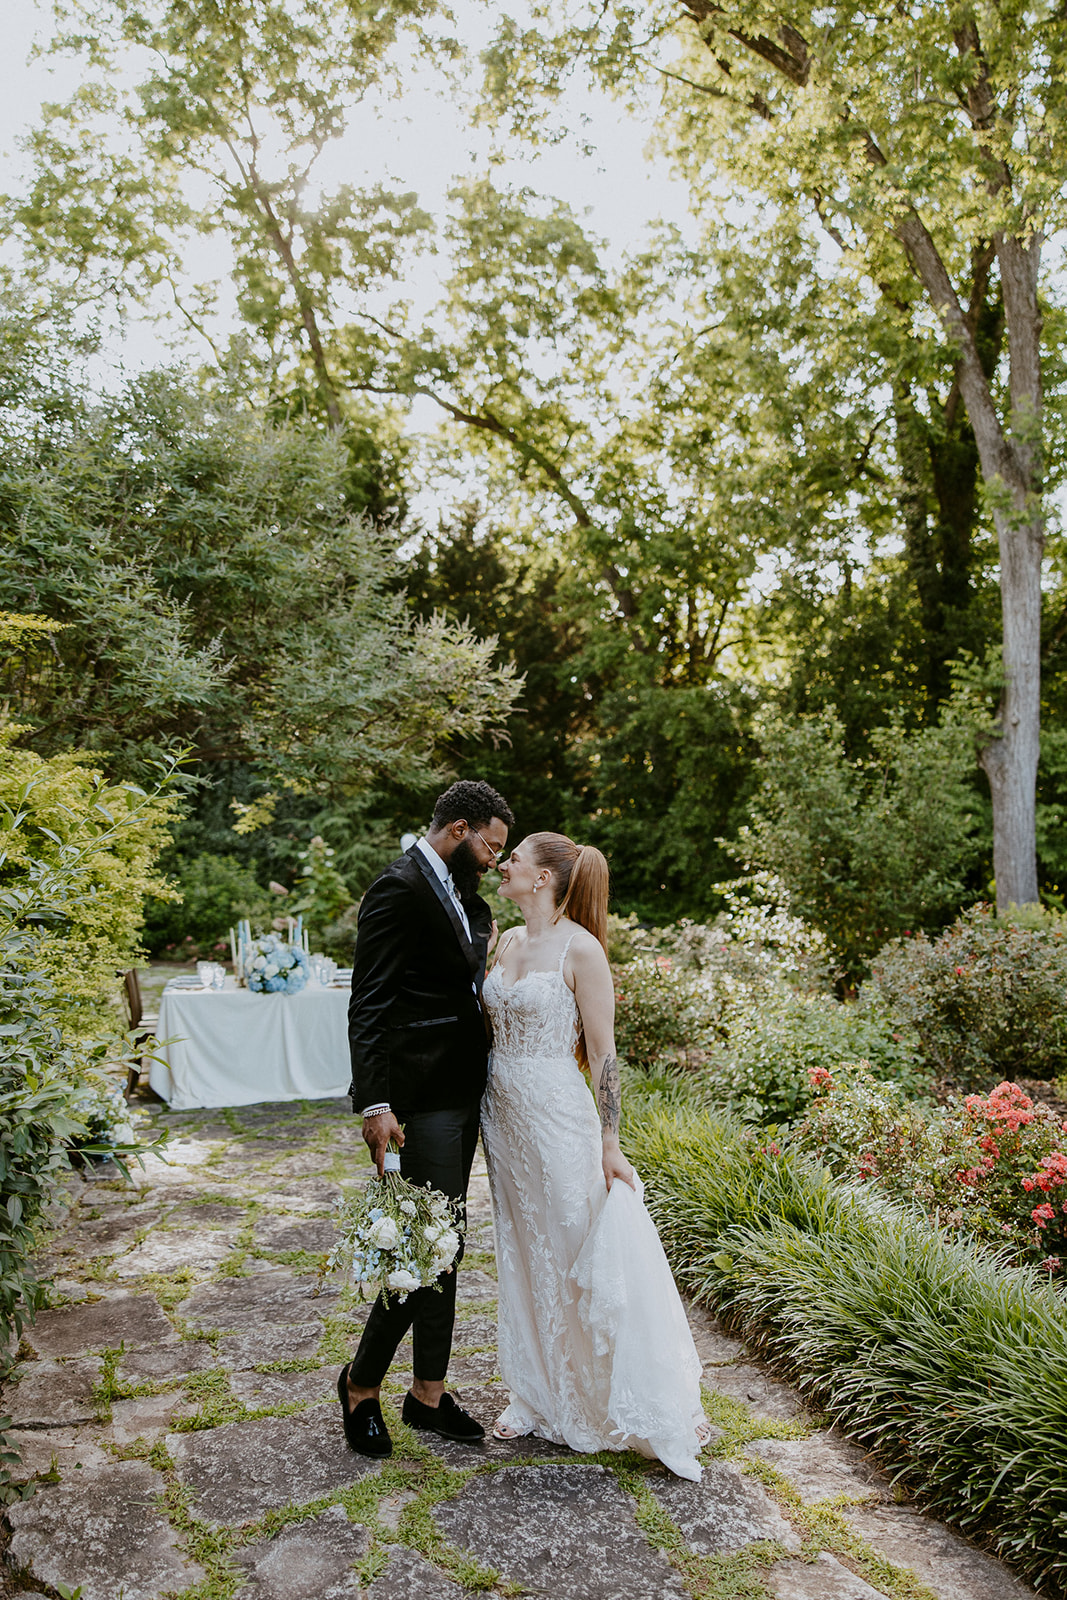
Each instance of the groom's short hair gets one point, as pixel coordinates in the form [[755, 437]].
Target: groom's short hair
[[476, 803]]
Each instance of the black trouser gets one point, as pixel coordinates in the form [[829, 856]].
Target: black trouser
[[439, 1150]]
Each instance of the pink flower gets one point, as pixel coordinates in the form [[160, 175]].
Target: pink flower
[[819, 1078], [1042, 1214], [1051, 1264]]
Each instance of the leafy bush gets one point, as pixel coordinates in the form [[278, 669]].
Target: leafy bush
[[987, 998], [663, 1015], [866, 848], [64, 820], [211, 892], [322, 895], [777, 1038], [922, 1346], [994, 1164]]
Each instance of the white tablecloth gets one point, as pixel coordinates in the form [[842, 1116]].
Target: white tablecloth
[[231, 1047]]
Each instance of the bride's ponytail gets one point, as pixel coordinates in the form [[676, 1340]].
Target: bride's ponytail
[[581, 875]]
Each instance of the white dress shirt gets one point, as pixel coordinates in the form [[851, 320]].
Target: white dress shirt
[[441, 869]]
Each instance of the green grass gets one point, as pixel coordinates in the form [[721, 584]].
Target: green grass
[[952, 1367]]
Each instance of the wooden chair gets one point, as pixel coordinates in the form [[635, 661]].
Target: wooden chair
[[141, 1024]]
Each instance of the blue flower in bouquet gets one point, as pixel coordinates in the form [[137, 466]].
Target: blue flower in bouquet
[[273, 966]]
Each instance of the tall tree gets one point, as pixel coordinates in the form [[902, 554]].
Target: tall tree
[[202, 119], [929, 142]]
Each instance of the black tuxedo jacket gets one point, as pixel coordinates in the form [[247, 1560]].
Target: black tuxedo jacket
[[415, 1026]]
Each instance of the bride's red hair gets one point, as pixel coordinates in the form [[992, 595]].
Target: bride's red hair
[[581, 875]]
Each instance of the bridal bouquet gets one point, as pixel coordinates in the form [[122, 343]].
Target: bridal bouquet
[[273, 966], [395, 1235]]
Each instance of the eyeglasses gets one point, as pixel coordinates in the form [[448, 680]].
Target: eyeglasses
[[496, 854]]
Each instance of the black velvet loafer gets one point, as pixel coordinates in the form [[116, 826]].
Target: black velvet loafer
[[448, 1419], [365, 1427]]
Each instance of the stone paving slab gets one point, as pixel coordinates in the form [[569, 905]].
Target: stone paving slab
[[953, 1567], [147, 1416], [409, 1577], [260, 1346], [724, 1512], [166, 1361], [164, 1251], [243, 1304], [121, 1319], [825, 1578], [101, 1530], [312, 1560], [568, 1531], [239, 1470], [262, 1389], [823, 1466], [764, 1395], [72, 1449], [50, 1394], [316, 1234]]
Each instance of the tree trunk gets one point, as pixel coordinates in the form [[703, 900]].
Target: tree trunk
[[1010, 759]]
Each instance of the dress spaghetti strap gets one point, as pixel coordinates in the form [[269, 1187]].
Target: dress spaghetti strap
[[563, 957]]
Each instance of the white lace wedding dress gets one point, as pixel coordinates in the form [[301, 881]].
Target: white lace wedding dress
[[594, 1345]]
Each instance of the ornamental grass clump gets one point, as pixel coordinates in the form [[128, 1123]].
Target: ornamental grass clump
[[926, 1347]]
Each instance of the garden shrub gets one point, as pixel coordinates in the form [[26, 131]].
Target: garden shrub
[[211, 892], [994, 1164], [922, 1345], [987, 998], [776, 1038], [662, 1015], [66, 812]]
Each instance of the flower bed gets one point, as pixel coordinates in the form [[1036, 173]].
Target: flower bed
[[993, 1164]]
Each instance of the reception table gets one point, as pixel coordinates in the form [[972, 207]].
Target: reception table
[[230, 1047]]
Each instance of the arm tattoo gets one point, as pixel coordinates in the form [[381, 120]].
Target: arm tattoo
[[609, 1096]]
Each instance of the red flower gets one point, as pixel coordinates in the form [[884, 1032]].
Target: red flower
[[819, 1078], [1051, 1264], [959, 972], [1042, 1214]]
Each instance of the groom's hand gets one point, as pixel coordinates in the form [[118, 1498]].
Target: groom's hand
[[377, 1132]]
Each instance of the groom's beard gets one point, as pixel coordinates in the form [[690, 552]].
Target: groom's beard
[[466, 870]]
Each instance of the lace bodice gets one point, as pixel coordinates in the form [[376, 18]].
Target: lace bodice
[[535, 1016]]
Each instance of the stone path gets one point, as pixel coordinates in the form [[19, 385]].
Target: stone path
[[178, 1408]]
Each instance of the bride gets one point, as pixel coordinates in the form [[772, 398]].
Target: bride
[[594, 1344]]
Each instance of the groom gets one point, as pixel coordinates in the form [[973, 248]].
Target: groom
[[419, 1055]]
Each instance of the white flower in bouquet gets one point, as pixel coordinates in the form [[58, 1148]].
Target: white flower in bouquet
[[403, 1281], [384, 1234], [445, 1250], [259, 963], [409, 1208]]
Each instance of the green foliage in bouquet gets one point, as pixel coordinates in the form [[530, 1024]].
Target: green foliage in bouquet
[[987, 999]]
